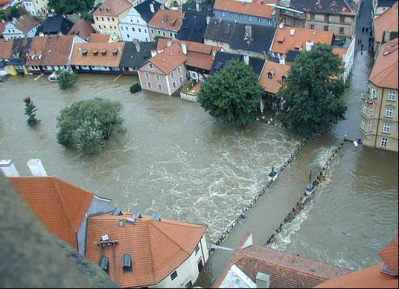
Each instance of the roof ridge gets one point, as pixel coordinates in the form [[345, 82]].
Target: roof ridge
[[152, 258], [55, 182], [152, 223], [391, 67]]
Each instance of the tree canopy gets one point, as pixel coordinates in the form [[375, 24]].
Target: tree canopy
[[70, 6], [87, 124], [231, 94], [66, 78], [30, 111], [311, 95]]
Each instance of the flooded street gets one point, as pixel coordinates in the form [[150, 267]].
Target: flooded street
[[177, 160]]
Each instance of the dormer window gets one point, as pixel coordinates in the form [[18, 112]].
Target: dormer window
[[270, 74], [104, 52], [127, 263], [115, 52], [95, 52], [151, 65], [84, 52], [283, 78]]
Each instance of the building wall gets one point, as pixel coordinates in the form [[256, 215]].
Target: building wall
[[224, 46], [348, 59], [10, 31], [188, 271], [376, 116], [134, 27], [155, 31], [30, 7], [244, 18], [40, 6], [108, 24]]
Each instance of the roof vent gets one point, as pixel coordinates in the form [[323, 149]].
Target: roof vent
[[36, 167], [126, 263], [292, 32], [130, 220], [8, 168], [137, 214], [262, 280], [156, 217]]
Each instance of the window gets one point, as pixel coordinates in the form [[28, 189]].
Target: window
[[240, 16], [386, 128], [369, 126], [371, 111], [249, 18], [133, 29], [152, 30], [196, 249], [363, 125], [384, 143], [312, 17], [147, 75], [139, 30], [312, 26], [389, 112], [104, 263], [149, 84], [163, 33], [325, 18], [179, 70], [373, 94], [341, 30], [113, 19], [107, 18], [342, 19], [159, 86], [170, 34], [365, 109], [151, 65], [174, 84], [158, 77], [173, 275], [223, 13], [145, 31], [392, 95], [172, 74], [128, 36], [259, 19], [127, 263], [231, 15], [181, 80], [326, 28]]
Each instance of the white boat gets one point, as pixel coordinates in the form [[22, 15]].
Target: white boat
[[53, 76], [310, 189], [3, 75], [272, 176]]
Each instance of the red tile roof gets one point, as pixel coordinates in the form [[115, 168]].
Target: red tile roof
[[4, 2], [255, 8], [167, 20], [199, 55], [387, 21], [370, 277], [2, 26], [274, 84], [36, 50], [169, 59], [157, 248], [60, 206], [82, 28], [284, 41], [385, 69], [57, 50], [389, 255], [26, 22], [96, 37], [112, 57], [112, 8], [285, 270], [6, 48]]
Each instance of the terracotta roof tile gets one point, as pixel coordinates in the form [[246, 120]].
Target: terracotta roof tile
[[387, 21], [169, 59], [284, 41], [385, 69], [112, 8], [26, 22], [6, 48], [82, 28], [4, 2], [340, 51], [91, 59], [36, 50], [389, 255], [60, 206], [370, 277], [167, 19], [254, 8], [57, 50], [274, 84], [96, 37], [2, 26], [156, 247]]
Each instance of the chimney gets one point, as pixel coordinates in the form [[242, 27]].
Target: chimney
[[153, 53], [213, 54], [169, 43], [162, 7], [137, 44], [248, 32], [184, 48], [8, 168], [292, 32], [262, 280], [36, 167], [152, 8], [197, 7], [309, 45], [246, 59], [208, 19]]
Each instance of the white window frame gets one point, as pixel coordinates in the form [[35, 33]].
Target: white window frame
[[386, 127], [373, 93], [365, 109], [158, 77], [371, 111], [159, 87], [389, 112], [151, 66], [369, 126], [384, 142], [392, 96], [181, 80], [179, 70], [172, 74], [149, 84], [147, 75], [363, 124], [174, 84]]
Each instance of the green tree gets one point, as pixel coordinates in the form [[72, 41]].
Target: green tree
[[30, 111], [232, 94], [66, 78], [85, 15], [311, 95], [87, 124], [70, 6]]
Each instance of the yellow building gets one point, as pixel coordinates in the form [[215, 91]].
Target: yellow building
[[379, 112], [108, 15]]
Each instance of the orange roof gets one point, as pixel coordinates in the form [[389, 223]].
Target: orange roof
[[6, 48], [387, 21], [256, 8], [2, 26], [370, 277], [82, 28], [112, 8], [385, 69], [389, 255], [57, 50], [156, 247], [60, 206], [4, 2], [284, 41], [340, 51], [26, 22], [198, 54], [169, 59], [167, 19], [97, 37], [274, 84], [112, 57], [36, 50]]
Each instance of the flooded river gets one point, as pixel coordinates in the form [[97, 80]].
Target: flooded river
[[177, 160]]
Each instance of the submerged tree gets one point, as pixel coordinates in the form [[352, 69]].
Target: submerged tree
[[87, 124], [231, 94], [30, 111], [66, 78], [70, 6], [312, 93]]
